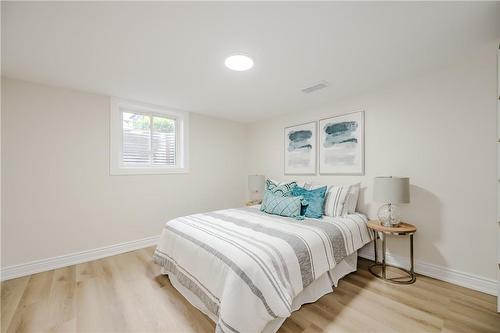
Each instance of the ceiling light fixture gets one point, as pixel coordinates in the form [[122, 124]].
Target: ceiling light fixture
[[239, 62]]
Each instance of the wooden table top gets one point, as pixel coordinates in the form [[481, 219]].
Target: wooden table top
[[403, 228]]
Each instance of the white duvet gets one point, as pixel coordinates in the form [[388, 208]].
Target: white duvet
[[246, 267]]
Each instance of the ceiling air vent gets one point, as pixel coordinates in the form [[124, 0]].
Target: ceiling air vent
[[317, 86]]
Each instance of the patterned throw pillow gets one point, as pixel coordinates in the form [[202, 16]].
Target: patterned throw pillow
[[336, 200], [283, 189], [277, 204], [315, 201]]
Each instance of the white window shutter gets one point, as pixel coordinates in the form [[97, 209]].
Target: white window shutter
[[163, 147], [136, 139], [148, 140]]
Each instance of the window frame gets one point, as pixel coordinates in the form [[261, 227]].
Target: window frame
[[117, 107]]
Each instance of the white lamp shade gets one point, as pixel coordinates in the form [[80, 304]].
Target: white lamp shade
[[256, 183], [391, 190]]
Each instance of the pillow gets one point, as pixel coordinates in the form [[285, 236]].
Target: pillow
[[315, 201], [277, 204], [283, 189], [298, 182], [312, 186], [336, 200], [352, 200]]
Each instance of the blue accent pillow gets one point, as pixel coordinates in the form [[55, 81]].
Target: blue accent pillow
[[277, 204], [315, 201], [284, 189]]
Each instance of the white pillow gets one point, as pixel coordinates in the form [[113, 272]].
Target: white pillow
[[353, 198], [312, 186], [299, 183], [336, 203]]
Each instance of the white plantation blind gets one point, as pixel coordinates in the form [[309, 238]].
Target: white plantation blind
[[148, 140]]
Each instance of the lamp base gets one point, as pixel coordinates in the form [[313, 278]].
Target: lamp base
[[256, 196], [388, 215]]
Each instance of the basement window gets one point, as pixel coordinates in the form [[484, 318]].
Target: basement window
[[147, 139]]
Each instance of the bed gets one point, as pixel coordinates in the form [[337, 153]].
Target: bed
[[248, 270]]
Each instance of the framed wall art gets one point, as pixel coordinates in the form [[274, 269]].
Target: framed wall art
[[342, 144], [300, 149]]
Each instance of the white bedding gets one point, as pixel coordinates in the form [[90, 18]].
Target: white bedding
[[248, 270]]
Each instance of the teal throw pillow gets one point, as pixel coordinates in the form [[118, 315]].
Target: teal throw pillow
[[315, 201], [279, 205]]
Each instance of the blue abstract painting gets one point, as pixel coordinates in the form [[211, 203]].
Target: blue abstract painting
[[300, 149], [341, 147]]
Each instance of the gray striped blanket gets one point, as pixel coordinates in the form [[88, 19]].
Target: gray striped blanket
[[246, 267]]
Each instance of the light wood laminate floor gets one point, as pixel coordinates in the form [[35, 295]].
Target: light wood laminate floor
[[126, 293]]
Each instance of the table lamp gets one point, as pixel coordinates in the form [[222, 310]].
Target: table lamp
[[390, 191], [256, 187]]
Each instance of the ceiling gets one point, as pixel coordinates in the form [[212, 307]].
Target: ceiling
[[172, 54]]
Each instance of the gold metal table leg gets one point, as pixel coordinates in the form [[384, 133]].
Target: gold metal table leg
[[383, 256], [412, 263], [379, 269]]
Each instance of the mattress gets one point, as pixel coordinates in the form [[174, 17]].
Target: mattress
[[248, 270]]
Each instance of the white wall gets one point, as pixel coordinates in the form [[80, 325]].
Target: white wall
[[438, 129], [57, 194]]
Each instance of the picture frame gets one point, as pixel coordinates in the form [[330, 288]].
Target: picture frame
[[300, 149], [342, 144]]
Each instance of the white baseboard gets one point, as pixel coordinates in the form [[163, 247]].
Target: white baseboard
[[467, 280], [48, 264]]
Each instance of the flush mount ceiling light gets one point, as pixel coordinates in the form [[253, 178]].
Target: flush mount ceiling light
[[239, 62]]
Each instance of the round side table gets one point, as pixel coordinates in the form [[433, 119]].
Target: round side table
[[379, 269]]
